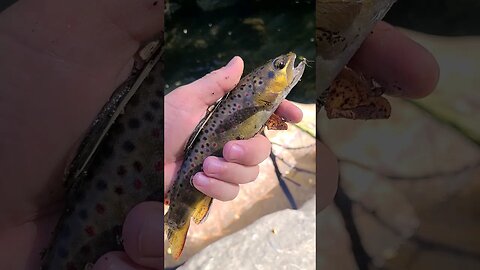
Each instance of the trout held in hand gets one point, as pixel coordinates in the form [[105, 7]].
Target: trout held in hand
[[240, 114]]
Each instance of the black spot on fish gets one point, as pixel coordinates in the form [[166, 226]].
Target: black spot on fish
[[149, 80], [118, 128], [107, 150], [133, 123], [101, 185], [83, 214], [121, 171], [271, 74], [137, 166], [155, 104], [119, 190], [65, 232], [79, 195], [134, 100], [128, 146], [85, 250], [148, 116], [62, 252]]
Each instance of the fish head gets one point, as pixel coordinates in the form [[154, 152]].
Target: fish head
[[274, 80]]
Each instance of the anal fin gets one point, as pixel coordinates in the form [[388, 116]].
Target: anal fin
[[353, 96], [200, 213]]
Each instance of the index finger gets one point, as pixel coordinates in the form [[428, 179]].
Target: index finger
[[290, 112]]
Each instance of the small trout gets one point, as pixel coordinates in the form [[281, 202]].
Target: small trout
[[342, 26], [125, 169], [240, 114]]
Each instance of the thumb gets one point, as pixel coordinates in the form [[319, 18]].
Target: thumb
[[143, 234], [214, 85]]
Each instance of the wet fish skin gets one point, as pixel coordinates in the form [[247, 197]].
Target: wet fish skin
[[126, 169], [342, 26], [240, 114]]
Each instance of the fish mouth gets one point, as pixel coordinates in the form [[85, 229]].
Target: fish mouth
[[294, 73]]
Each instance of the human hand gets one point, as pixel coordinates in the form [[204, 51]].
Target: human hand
[[186, 106], [399, 64]]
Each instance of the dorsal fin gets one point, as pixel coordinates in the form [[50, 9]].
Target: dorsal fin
[[109, 114], [210, 111]]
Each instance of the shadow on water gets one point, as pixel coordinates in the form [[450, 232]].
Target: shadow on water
[[199, 41]]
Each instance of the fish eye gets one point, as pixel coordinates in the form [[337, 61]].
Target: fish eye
[[279, 63]]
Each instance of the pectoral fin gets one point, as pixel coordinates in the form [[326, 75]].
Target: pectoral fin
[[276, 122], [200, 213], [353, 96], [177, 238]]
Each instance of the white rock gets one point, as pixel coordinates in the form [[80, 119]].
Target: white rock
[[281, 240]]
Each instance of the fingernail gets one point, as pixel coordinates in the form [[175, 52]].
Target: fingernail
[[230, 63], [212, 165], [201, 180], [236, 152], [149, 244]]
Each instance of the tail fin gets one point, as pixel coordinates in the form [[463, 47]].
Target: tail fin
[[177, 238], [200, 213]]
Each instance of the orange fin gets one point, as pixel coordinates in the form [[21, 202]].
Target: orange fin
[[200, 213], [353, 96], [177, 238], [276, 122]]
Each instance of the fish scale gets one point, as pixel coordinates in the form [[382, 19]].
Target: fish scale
[[126, 169], [240, 114]]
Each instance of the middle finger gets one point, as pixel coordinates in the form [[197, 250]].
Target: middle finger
[[230, 172]]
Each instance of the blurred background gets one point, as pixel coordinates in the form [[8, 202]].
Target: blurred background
[[204, 35], [409, 187]]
